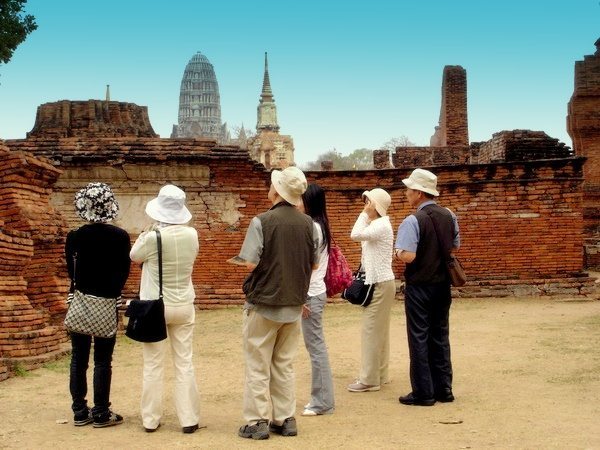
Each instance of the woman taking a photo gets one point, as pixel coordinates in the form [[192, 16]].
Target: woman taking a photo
[[179, 250], [374, 231]]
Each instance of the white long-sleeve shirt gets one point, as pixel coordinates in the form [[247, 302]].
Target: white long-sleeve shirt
[[179, 250], [377, 239]]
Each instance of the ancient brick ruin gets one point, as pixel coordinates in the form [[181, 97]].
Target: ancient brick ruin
[[92, 118], [523, 199], [32, 276], [453, 127], [583, 125]]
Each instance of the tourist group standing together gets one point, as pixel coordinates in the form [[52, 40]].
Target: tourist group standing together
[[285, 251]]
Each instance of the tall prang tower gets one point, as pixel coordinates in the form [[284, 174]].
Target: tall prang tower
[[269, 147], [200, 103]]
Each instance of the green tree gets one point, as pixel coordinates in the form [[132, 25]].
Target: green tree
[[15, 25], [331, 155], [359, 159]]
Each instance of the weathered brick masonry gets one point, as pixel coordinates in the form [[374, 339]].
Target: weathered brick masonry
[[515, 217], [32, 282], [224, 187], [583, 124]]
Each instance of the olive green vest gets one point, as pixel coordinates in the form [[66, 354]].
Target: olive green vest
[[282, 275]]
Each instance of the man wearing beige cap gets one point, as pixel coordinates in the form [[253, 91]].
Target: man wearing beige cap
[[280, 248], [423, 241]]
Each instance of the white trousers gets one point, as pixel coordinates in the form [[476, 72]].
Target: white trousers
[[269, 351], [180, 330]]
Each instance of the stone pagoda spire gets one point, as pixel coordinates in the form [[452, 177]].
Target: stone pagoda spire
[[200, 103], [268, 147], [267, 111]]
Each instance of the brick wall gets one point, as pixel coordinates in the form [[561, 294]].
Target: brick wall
[[583, 125], [515, 219], [519, 145], [32, 281], [429, 156], [224, 188]]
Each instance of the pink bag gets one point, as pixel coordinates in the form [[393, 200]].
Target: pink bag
[[338, 276]]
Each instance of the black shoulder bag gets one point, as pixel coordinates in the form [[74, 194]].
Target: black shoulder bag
[[359, 293], [147, 317]]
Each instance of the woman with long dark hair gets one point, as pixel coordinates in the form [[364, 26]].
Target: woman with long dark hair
[[321, 400]]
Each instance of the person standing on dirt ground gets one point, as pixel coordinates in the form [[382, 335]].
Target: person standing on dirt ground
[[98, 263], [427, 291], [179, 249], [321, 393], [373, 230], [280, 248]]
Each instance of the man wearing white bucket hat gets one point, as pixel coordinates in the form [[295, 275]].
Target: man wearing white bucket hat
[[179, 250], [427, 292], [280, 248]]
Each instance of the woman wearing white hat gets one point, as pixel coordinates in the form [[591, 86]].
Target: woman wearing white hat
[[179, 250], [374, 230]]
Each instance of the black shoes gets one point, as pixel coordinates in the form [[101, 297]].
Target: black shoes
[[151, 430], [410, 399], [287, 428], [108, 421], [83, 418], [444, 396], [258, 431], [190, 429]]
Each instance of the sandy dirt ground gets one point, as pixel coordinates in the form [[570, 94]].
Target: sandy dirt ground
[[527, 375]]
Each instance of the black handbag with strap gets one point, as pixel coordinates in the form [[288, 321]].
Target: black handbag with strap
[[147, 317], [455, 269], [359, 293]]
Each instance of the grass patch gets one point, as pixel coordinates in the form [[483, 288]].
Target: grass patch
[[20, 371], [60, 365]]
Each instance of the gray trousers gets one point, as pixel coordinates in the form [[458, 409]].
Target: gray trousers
[[321, 395]]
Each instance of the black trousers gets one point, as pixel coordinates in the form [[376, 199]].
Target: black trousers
[[427, 311], [103, 351]]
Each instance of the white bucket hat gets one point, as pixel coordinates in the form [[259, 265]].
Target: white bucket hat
[[290, 183], [422, 180], [380, 198], [169, 206]]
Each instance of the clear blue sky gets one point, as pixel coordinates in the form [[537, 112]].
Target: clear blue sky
[[345, 74]]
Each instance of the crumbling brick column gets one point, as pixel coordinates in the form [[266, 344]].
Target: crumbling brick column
[[381, 159], [32, 270], [453, 128], [583, 125]]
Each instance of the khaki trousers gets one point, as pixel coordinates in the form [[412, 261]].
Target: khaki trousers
[[180, 329], [375, 336], [269, 351]]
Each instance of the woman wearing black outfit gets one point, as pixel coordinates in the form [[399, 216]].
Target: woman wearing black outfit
[[100, 268]]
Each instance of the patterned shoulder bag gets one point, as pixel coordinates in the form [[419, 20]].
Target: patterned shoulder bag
[[90, 314]]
